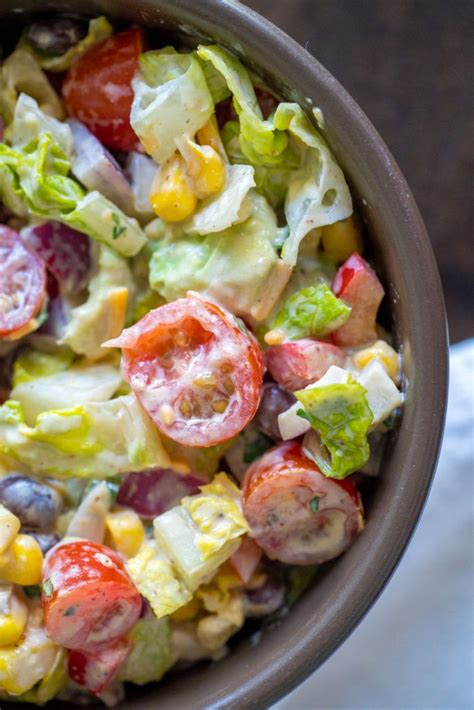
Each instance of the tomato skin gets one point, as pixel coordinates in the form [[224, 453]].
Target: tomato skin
[[357, 284], [298, 363], [94, 670], [98, 88], [246, 558], [22, 282], [279, 490], [172, 349], [88, 598]]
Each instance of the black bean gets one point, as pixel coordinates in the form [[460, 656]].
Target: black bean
[[36, 504], [275, 400], [54, 37], [45, 540]]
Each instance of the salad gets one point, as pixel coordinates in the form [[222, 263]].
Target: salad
[[194, 387]]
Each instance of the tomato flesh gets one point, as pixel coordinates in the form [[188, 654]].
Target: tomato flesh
[[22, 282], [94, 670], [88, 598], [296, 514], [98, 89], [298, 363], [195, 369]]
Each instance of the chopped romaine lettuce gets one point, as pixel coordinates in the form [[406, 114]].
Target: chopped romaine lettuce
[[89, 441], [103, 315], [49, 686], [66, 389], [238, 267], [151, 655], [20, 72], [342, 416], [29, 121], [99, 29], [313, 311], [317, 192], [259, 141], [11, 193], [31, 364], [171, 98]]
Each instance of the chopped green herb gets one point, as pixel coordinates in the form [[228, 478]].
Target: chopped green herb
[[314, 504], [47, 588], [118, 228], [70, 611]]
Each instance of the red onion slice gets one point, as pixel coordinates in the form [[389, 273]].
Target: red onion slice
[[156, 490]]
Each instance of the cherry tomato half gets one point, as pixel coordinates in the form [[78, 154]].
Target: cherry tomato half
[[22, 282], [300, 362], [88, 598], [94, 670], [98, 88], [296, 514], [195, 368]]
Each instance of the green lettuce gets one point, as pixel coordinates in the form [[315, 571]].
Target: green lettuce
[[341, 415], [94, 440], [317, 192], [259, 141], [314, 311], [171, 98], [29, 121], [31, 364], [41, 170], [99, 29], [235, 266], [151, 655], [11, 193], [20, 72]]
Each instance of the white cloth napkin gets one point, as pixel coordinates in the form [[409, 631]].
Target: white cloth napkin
[[414, 650]]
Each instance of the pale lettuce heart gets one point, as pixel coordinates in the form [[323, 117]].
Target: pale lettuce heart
[[171, 98], [29, 120]]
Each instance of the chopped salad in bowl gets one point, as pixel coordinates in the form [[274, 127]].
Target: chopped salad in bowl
[[193, 381]]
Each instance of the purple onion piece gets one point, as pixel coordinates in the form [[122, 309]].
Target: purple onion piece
[[275, 400], [97, 169], [65, 251], [156, 490], [267, 599], [141, 171]]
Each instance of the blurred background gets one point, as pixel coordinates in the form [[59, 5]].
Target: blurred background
[[409, 64]]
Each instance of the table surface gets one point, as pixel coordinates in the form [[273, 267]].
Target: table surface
[[409, 65]]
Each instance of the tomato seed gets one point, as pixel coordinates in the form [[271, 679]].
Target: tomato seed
[[167, 414], [220, 405]]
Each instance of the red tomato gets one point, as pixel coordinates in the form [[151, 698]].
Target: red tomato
[[195, 369], [300, 362], [296, 514], [245, 560], [357, 284], [94, 670], [22, 282], [88, 598], [98, 88]]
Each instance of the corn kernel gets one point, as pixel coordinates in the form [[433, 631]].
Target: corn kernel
[[172, 198], [188, 611], [209, 135], [9, 527], [275, 336], [23, 561], [341, 239], [124, 532], [205, 167], [382, 352], [117, 301], [13, 615]]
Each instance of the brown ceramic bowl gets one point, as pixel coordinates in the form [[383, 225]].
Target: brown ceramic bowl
[[255, 675]]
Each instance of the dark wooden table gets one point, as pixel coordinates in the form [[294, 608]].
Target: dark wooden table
[[409, 64]]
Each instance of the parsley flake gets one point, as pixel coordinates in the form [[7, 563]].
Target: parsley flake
[[47, 588], [314, 504]]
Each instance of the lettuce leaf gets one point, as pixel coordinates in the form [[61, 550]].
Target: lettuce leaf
[[29, 120], [341, 415], [11, 193], [99, 29], [171, 98], [259, 141], [151, 655], [20, 72], [314, 311], [238, 267], [317, 192], [31, 364], [94, 440]]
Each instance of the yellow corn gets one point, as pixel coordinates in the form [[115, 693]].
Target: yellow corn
[[188, 611], [341, 239], [13, 615], [124, 532], [204, 165], [23, 561], [171, 197], [209, 135], [382, 352], [9, 527], [116, 311]]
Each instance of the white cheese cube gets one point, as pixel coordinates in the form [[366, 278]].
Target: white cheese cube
[[382, 394]]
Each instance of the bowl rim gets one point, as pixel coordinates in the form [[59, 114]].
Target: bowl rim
[[277, 53]]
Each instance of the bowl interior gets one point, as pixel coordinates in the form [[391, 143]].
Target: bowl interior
[[256, 674]]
